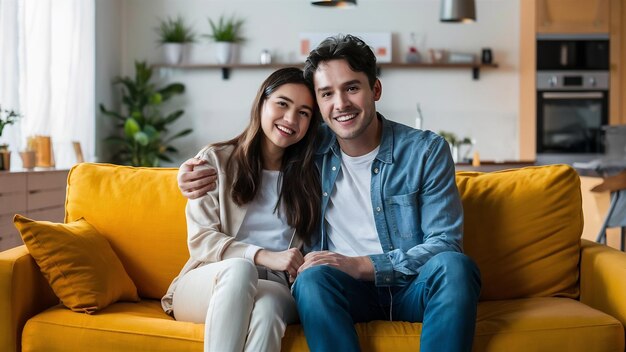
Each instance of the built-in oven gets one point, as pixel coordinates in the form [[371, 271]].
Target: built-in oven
[[572, 98]]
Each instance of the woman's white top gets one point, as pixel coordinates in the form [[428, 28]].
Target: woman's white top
[[263, 227]]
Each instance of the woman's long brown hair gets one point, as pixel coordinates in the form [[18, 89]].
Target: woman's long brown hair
[[300, 190]]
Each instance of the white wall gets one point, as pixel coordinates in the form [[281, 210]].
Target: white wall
[[109, 57], [486, 110]]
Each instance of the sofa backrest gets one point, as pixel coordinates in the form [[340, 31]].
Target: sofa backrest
[[142, 214], [522, 227]]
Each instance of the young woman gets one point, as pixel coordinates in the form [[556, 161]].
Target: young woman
[[244, 237]]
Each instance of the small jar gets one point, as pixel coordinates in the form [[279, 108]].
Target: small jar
[[266, 57]]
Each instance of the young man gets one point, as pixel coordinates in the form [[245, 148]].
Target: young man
[[390, 245]]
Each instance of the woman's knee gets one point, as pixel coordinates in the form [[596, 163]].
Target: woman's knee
[[239, 270]]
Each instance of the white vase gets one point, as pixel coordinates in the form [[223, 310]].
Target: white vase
[[224, 52], [172, 53]]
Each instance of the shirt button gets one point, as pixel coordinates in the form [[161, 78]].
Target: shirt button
[[375, 170], [334, 168], [378, 209], [391, 248], [325, 194]]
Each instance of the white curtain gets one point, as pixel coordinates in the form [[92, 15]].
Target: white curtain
[[47, 73]]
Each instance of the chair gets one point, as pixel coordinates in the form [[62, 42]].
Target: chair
[[616, 215]]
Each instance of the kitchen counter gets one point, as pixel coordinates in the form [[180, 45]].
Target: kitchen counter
[[490, 166]]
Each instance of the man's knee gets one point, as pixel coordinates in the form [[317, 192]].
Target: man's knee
[[313, 279]]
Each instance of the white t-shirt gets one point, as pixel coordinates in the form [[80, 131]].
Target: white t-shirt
[[351, 228], [262, 227]]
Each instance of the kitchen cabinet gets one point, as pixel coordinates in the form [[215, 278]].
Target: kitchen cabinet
[[39, 195], [568, 17], [573, 16]]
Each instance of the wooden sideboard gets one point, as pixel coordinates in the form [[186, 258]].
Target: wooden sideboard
[[39, 195]]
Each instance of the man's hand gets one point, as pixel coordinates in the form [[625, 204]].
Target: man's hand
[[194, 181], [289, 261], [360, 268]]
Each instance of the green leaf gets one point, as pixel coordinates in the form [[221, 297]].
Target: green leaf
[[173, 117], [171, 90], [156, 99], [178, 135], [131, 127], [142, 138]]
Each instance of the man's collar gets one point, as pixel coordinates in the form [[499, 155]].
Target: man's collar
[[385, 153]]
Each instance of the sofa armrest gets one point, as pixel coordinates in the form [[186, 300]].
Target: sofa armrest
[[603, 279], [24, 292]]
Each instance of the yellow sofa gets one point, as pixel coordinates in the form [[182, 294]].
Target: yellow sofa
[[543, 289]]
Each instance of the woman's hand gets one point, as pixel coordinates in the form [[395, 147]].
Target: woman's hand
[[195, 179], [289, 261]]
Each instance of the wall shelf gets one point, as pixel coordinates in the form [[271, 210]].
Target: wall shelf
[[475, 67]]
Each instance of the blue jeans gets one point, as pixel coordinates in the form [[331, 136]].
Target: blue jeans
[[443, 297]]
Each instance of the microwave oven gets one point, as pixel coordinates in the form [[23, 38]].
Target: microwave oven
[[573, 52]]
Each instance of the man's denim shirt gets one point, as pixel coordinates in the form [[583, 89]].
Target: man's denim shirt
[[415, 202]]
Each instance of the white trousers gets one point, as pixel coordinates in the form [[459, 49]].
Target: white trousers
[[240, 312]]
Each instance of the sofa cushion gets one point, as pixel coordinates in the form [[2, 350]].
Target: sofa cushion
[[78, 263], [535, 324], [141, 213], [522, 228]]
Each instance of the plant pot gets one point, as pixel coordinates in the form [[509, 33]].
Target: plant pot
[[172, 53], [185, 56], [5, 160], [224, 52]]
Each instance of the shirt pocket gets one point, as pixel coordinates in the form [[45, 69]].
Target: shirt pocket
[[404, 214]]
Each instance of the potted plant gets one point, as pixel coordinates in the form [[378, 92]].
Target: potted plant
[[143, 130], [7, 117], [227, 34], [455, 144], [175, 37]]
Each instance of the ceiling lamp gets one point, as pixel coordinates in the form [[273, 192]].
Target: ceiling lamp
[[335, 3], [458, 11]]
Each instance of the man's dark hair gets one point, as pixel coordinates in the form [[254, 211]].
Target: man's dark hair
[[358, 54]]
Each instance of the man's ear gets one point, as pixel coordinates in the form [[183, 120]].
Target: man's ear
[[377, 89]]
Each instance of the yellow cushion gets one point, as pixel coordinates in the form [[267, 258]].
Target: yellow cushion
[[78, 263], [141, 213], [535, 324], [523, 228]]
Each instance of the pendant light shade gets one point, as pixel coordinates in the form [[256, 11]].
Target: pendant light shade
[[335, 3], [458, 11]]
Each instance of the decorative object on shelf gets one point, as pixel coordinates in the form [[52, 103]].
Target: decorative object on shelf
[[458, 11], [486, 56], [7, 118], [175, 37], [437, 56], [335, 3], [455, 144], [44, 151], [419, 119], [413, 55], [227, 34], [461, 58], [380, 42], [266, 57], [29, 159], [143, 130]]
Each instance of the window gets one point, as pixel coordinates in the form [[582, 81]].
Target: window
[[47, 70]]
